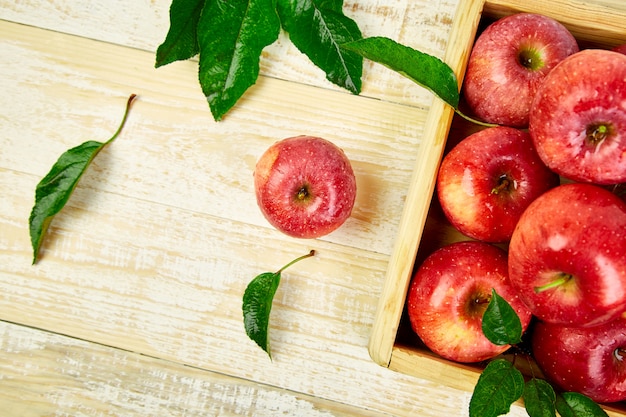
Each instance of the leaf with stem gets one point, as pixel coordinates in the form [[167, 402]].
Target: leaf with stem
[[257, 304], [424, 69], [55, 189]]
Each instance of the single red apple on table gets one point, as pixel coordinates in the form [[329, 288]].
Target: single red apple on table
[[578, 117], [305, 186], [508, 61], [487, 180], [567, 256], [591, 361], [448, 296]]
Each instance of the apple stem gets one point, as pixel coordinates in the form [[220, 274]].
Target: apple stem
[[620, 353], [308, 255], [563, 278], [503, 184]]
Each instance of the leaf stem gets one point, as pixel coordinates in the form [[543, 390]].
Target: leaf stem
[[129, 102], [471, 119], [308, 255]]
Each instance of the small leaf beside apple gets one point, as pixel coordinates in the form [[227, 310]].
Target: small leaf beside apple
[[501, 324]]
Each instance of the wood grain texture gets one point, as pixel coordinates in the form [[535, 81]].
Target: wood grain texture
[[157, 244], [135, 307], [43, 373]]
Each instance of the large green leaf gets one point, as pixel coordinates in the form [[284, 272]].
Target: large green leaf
[[426, 70], [499, 385], [317, 29], [55, 189], [181, 42], [231, 37]]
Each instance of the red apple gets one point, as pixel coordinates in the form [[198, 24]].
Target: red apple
[[305, 186], [567, 256], [448, 296], [487, 180], [578, 117], [591, 361], [620, 48], [509, 60]]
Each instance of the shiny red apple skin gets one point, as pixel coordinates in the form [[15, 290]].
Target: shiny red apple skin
[[470, 174], [591, 361], [305, 186], [586, 90], [498, 87], [442, 299], [578, 230]]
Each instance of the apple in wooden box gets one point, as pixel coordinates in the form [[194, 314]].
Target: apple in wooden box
[[423, 226]]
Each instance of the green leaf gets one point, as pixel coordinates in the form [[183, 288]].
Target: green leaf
[[257, 304], [499, 385], [501, 324], [181, 42], [424, 69], [539, 398], [573, 404], [317, 28], [231, 37], [55, 189]]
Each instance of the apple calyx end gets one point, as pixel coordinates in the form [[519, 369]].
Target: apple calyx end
[[598, 132], [530, 59], [303, 194]]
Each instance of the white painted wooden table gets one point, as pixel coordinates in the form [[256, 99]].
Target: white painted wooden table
[[135, 306]]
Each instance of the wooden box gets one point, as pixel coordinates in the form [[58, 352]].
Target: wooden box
[[423, 227]]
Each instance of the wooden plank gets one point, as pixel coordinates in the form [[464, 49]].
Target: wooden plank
[[48, 374]]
